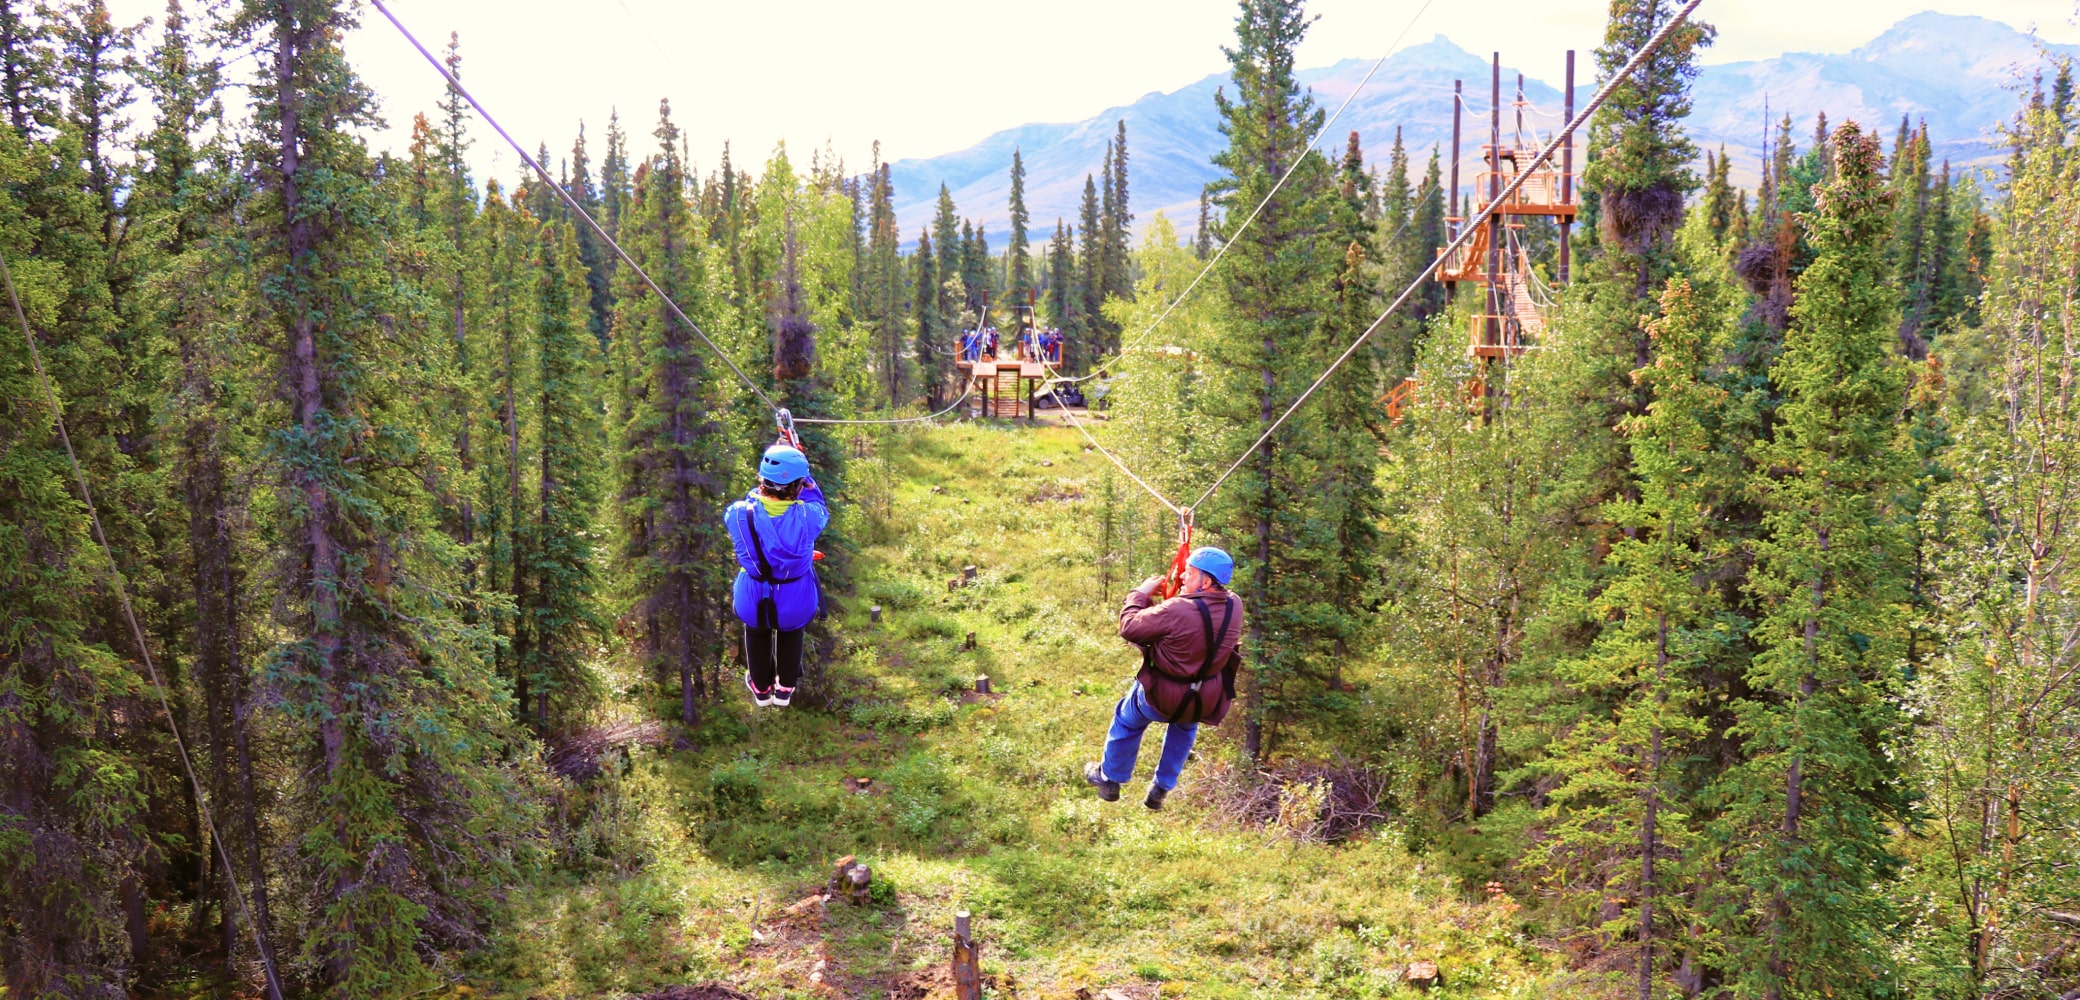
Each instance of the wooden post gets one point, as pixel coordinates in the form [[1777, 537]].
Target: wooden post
[[874, 614], [1567, 167], [967, 960], [1491, 327], [1451, 209]]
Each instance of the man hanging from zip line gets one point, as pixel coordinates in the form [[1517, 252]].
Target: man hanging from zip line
[[1189, 653], [774, 531]]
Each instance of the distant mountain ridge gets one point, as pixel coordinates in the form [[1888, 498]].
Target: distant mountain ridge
[[1959, 72]]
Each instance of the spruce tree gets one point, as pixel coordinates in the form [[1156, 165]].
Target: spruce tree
[[1018, 263], [1807, 814], [934, 343], [1281, 290], [1064, 301], [1622, 831], [675, 457], [403, 802], [592, 254], [71, 796], [1090, 273], [561, 619]]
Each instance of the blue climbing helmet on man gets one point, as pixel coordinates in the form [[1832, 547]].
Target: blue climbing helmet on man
[[773, 531]]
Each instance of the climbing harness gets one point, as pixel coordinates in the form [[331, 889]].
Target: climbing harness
[[1191, 710], [768, 608]]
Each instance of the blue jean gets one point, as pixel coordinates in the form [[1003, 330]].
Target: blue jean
[[1123, 744]]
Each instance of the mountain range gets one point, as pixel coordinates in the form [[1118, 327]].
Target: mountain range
[[1961, 74]]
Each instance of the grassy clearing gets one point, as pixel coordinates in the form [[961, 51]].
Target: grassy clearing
[[684, 861]]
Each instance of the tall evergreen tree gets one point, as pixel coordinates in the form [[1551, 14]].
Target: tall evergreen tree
[[676, 457], [1623, 831], [1806, 822], [561, 619], [1285, 269], [402, 803], [934, 340], [1018, 260]]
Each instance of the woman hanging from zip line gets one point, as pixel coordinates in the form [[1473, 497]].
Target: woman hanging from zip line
[[774, 531]]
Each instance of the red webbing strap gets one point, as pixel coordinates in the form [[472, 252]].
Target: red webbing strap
[[1175, 581]]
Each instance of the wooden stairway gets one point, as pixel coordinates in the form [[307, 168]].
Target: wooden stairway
[[1008, 393]]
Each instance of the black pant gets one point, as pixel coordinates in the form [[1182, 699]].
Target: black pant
[[760, 647]]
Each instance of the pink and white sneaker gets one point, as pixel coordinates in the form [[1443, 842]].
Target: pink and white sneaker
[[762, 699], [782, 695]]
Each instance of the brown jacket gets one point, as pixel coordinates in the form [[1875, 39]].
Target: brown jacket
[[1173, 640]]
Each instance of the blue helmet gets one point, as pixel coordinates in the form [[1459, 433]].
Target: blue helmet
[[783, 465], [1212, 562]]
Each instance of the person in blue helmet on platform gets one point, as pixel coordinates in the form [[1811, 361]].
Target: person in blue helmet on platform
[[774, 531], [1190, 650]]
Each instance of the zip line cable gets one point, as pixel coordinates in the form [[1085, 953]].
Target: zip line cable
[[144, 650], [529, 159], [1252, 217], [1070, 416], [950, 407], [1466, 234]]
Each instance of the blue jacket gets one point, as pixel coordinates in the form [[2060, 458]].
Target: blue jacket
[[789, 545]]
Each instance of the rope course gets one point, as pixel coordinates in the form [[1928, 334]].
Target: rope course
[[144, 649], [1184, 512], [1545, 154], [1466, 234]]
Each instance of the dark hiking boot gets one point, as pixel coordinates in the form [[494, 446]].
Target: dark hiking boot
[[1156, 795], [1094, 775], [760, 698], [782, 696]]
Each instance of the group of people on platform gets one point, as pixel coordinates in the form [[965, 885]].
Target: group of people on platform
[[1033, 345]]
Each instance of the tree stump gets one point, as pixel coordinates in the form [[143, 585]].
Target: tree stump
[[967, 960], [967, 573], [1422, 975], [982, 684], [874, 614], [851, 879], [970, 643]]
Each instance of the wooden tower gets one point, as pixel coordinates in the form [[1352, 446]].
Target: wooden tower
[[1508, 318]]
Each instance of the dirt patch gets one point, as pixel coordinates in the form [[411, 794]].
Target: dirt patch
[[935, 983], [1124, 991], [975, 697], [705, 991]]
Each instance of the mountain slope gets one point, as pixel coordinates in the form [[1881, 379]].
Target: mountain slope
[[1960, 73]]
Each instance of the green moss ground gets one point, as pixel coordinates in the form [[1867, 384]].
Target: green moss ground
[[684, 862]]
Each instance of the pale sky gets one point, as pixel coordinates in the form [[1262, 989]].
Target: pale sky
[[932, 76]]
